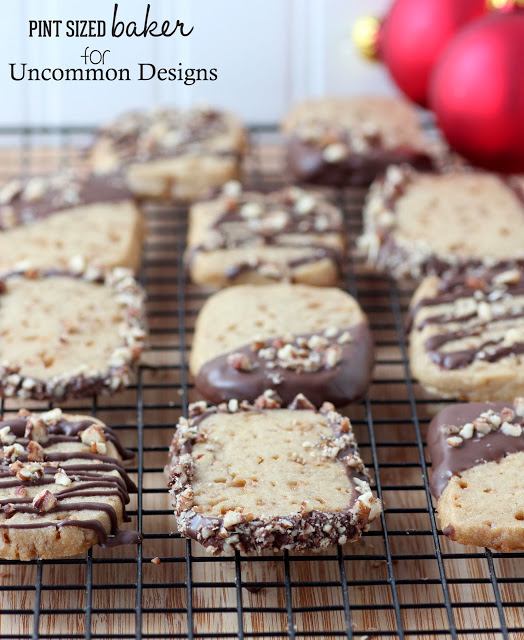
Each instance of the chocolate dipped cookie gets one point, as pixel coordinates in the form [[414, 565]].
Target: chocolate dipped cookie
[[477, 453], [247, 237], [290, 338], [67, 335], [63, 488], [169, 154], [417, 224], [467, 334], [345, 142], [250, 477], [69, 220]]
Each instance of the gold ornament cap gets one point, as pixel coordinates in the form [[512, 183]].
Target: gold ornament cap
[[365, 36], [503, 4]]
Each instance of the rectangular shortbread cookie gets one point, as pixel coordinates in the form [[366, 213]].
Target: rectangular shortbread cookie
[[63, 488], [252, 477], [249, 237], [69, 220], [170, 154]]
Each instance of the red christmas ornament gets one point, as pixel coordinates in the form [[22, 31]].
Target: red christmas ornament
[[477, 92], [412, 37]]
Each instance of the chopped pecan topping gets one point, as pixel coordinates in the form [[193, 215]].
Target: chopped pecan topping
[[28, 472], [93, 435], [240, 361], [268, 400], [36, 429], [62, 478], [44, 501], [35, 451], [13, 451], [6, 437]]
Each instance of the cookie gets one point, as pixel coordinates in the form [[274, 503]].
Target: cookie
[[63, 488], [253, 477], [247, 237], [291, 338], [418, 224], [69, 219], [344, 142], [477, 451], [171, 154], [467, 334], [68, 335]]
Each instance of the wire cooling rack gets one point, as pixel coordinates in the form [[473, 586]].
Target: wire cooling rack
[[403, 579]]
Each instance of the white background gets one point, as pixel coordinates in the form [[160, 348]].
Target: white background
[[269, 53]]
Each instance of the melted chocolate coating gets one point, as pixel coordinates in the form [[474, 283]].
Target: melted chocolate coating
[[347, 382], [307, 164], [448, 461], [77, 192]]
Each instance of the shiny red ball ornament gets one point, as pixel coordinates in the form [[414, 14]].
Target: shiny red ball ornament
[[414, 35], [477, 92]]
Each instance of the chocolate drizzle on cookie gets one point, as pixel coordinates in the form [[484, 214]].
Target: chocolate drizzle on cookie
[[276, 220], [32, 457], [463, 436], [306, 529], [23, 201], [482, 302], [333, 366], [144, 136]]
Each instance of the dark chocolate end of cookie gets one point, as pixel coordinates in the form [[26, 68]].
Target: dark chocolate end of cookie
[[462, 436], [306, 163], [338, 370]]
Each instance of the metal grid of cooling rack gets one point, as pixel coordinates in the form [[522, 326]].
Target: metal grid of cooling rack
[[404, 579]]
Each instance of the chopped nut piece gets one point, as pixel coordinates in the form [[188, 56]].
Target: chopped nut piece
[[519, 407], [455, 441], [62, 478], [335, 152], [232, 405], [231, 518], [36, 429], [156, 560], [94, 434], [44, 501], [251, 210], [507, 415], [305, 204], [99, 448], [240, 361], [52, 417], [333, 356], [13, 451], [28, 472], [232, 188], [512, 276], [345, 338], [6, 437], [467, 431], [317, 342], [21, 491], [35, 451], [508, 429]]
